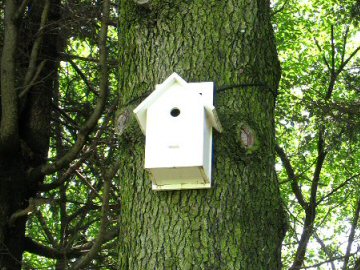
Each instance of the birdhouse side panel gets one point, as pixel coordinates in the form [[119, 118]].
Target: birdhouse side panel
[[174, 130], [208, 151]]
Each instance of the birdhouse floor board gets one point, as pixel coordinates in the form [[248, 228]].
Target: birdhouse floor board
[[178, 176], [181, 186]]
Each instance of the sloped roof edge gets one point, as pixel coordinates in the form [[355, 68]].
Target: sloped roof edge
[[140, 110]]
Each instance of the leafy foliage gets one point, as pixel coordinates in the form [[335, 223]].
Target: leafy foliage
[[319, 100], [318, 117], [70, 219]]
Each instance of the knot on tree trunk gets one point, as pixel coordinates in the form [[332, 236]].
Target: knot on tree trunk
[[246, 137]]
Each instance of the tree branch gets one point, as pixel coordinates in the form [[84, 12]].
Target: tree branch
[[33, 80], [320, 50], [88, 152], [86, 182], [84, 131], [76, 252], [333, 73], [66, 57], [9, 136], [83, 77], [351, 235], [36, 47], [280, 9], [108, 236], [344, 44], [21, 9], [83, 261], [65, 116], [337, 188], [318, 167], [332, 50], [327, 261], [291, 175], [46, 230], [33, 204], [65, 176], [347, 60], [48, 252], [326, 251], [101, 235], [311, 210]]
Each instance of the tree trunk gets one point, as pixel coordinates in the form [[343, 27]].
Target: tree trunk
[[33, 120], [239, 223]]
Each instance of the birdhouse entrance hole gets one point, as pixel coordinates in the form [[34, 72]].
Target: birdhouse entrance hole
[[175, 112]]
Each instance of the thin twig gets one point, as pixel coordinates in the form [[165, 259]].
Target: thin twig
[[351, 235], [84, 180], [21, 9], [66, 57], [36, 46], [320, 50], [280, 9], [66, 117], [326, 250], [46, 230], [327, 261], [291, 175], [332, 50], [318, 167], [337, 188], [347, 60], [54, 253], [310, 211], [32, 207], [344, 44], [33, 80], [83, 77], [83, 261]]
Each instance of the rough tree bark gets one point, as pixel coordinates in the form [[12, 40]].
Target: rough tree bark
[[239, 223], [28, 72]]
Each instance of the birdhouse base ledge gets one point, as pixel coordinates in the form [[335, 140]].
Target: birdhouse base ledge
[[180, 186]]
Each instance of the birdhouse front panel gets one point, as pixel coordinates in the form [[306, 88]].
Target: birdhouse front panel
[[174, 130], [177, 120]]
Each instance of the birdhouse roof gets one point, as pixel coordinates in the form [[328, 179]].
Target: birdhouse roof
[[141, 110]]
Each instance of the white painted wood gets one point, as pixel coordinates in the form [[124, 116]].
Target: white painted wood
[[177, 119], [180, 186], [213, 117], [140, 111]]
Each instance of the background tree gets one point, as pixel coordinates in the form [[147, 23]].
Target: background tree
[[38, 112], [318, 132]]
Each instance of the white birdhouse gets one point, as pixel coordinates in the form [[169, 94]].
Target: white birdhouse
[[177, 119]]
